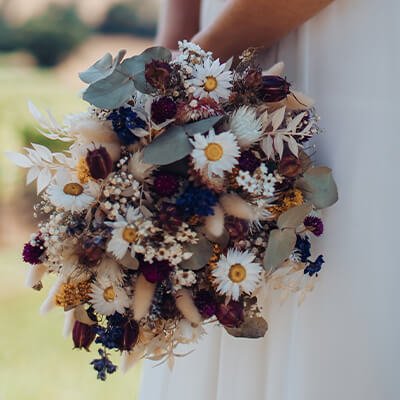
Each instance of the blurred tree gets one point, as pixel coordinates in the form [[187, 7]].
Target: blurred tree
[[9, 36], [124, 18], [51, 36]]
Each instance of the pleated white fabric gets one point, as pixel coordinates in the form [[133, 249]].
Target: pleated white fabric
[[342, 343]]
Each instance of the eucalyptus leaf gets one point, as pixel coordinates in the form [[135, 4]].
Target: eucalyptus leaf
[[170, 146], [137, 64], [280, 245], [202, 251], [102, 68], [251, 328], [293, 217], [111, 92], [202, 126], [99, 70], [319, 187]]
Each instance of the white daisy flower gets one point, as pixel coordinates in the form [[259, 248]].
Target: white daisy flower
[[108, 298], [237, 273], [128, 233], [215, 153], [67, 193], [211, 80], [245, 125]]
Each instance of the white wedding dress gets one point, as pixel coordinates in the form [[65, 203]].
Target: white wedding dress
[[342, 343]]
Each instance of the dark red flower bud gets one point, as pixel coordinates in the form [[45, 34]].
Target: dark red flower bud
[[162, 109], [91, 251], [157, 73], [83, 335], [130, 335], [157, 271], [99, 162], [230, 315], [274, 88], [206, 303], [290, 166]]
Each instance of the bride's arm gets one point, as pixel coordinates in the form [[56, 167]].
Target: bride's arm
[[179, 19], [253, 23]]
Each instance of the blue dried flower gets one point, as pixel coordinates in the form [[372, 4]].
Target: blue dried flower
[[197, 201], [103, 365], [111, 336], [314, 266], [124, 122], [303, 247]]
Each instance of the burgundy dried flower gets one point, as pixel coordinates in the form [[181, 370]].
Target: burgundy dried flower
[[99, 162], [237, 228], [315, 225], [162, 109], [166, 184], [230, 315], [274, 88], [248, 161], [157, 73], [157, 271], [206, 303], [290, 166], [83, 335], [253, 79], [130, 335], [32, 253]]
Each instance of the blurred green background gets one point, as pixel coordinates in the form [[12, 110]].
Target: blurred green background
[[43, 46]]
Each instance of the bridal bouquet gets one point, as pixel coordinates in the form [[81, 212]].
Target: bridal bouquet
[[187, 192]]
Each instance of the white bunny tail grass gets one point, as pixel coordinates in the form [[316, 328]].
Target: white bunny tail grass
[[299, 101], [214, 224], [144, 293], [35, 274], [69, 321], [130, 358], [49, 303], [234, 205], [185, 304], [276, 70]]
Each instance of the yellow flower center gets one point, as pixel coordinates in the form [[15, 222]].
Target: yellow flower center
[[210, 84], [130, 234], [214, 152], [109, 294], [73, 189], [237, 273], [82, 170]]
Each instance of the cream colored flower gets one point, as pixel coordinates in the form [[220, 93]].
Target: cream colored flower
[[108, 298], [211, 80], [215, 154], [245, 125], [128, 233], [69, 194], [237, 273]]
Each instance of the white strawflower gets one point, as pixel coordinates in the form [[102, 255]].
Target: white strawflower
[[237, 273], [245, 125], [211, 80], [69, 194], [108, 298], [215, 154]]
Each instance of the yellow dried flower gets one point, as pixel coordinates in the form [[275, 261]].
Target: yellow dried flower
[[72, 294], [292, 198], [82, 171]]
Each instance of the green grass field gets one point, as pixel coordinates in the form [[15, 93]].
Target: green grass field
[[36, 362]]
